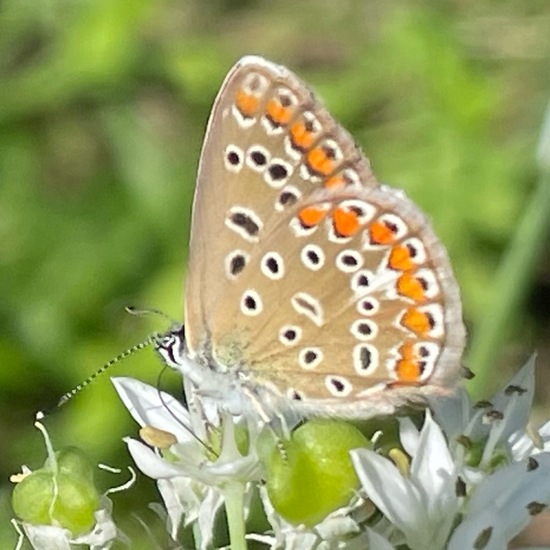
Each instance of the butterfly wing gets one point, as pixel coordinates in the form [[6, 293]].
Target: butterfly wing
[[305, 275]]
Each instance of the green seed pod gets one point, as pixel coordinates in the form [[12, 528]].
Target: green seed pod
[[77, 499], [73, 461], [312, 475]]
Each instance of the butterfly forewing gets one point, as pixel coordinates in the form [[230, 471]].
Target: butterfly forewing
[[305, 275], [246, 152]]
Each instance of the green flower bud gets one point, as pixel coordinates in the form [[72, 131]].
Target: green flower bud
[[73, 461], [311, 475], [77, 499], [32, 497]]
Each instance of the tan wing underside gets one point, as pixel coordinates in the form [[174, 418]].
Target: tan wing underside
[[216, 327], [217, 189]]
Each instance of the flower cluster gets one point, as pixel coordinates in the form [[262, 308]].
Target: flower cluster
[[468, 477], [460, 476]]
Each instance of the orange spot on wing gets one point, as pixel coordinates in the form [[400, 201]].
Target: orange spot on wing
[[417, 321], [400, 259], [319, 162], [408, 285], [312, 215], [301, 137], [380, 233], [247, 103], [346, 222], [334, 182], [408, 368], [277, 113]]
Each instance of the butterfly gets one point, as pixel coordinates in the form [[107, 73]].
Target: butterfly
[[309, 284]]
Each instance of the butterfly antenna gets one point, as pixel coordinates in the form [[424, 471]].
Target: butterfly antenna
[[149, 311], [78, 388]]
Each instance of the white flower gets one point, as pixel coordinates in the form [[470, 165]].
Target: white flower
[[422, 506], [502, 505], [191, 479], [478, 487], [470, 477], [500, 422], [338, 530], [51, 537]]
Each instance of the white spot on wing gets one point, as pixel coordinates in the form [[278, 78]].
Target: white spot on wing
[[349, 261], [290, 335], [272, 266], [233, 158], [312, 257], [251, 303], [338, 386], [364, 329], [310, 358], [365, 359], [307, 305]]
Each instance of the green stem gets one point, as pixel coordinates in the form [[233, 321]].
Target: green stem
[[515, 272], [234, 507], [197, 538]]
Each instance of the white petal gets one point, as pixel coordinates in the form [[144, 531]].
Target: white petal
[[517, 418], [175, 509], [452, 412], [501, 502], [394, 495], [104, 531], [470, 531], [47, 537], [152, 407], [408, 435], [433, 472], [378, 542], [337, 528], [521, 446], [150, 463], [432, 466], [209, 506]]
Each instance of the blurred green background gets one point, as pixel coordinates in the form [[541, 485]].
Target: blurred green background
[[103, 106]]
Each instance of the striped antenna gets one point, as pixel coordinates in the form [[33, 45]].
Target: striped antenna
[[78, 388], [138, 347], [149, 311]]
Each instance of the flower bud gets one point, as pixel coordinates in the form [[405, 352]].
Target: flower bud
[[311, 475]]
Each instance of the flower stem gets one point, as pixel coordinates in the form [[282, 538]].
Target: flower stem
[[234, 507]]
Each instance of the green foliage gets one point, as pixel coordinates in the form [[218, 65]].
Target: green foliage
[[102, 109]]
